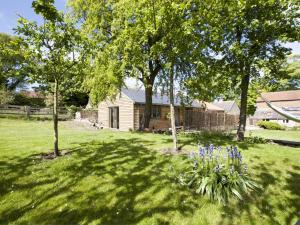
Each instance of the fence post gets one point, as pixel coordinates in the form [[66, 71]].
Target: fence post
[[27, 110]]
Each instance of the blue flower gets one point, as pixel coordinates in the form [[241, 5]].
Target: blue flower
[[231, 154], [201, 152], [239, 156], [207, 149]]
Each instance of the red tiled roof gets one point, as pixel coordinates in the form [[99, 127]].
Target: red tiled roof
[[280, 96], [32, 94]]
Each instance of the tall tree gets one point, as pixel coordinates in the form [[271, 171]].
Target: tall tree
[[131, 37], [253, 33], [53, 51]]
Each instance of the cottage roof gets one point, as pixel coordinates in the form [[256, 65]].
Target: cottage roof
[[212, 107], [138, 96], [226, 105], [266, 113], [280, 96]]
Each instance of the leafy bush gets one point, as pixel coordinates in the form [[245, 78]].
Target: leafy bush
[[6, 97], [218, 173], [270, 125], [72, 110], [254, 139], [21, 99]]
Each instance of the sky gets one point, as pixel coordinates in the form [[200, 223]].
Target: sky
[[10, 9]]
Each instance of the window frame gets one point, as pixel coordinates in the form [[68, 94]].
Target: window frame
[[156, 112]]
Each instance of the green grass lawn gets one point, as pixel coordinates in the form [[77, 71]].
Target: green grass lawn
[[278, 134], [123, 178]]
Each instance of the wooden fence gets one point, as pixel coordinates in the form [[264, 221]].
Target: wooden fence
[[32, 111], [203, 120]]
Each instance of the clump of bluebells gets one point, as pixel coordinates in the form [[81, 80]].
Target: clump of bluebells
[[218, 173]]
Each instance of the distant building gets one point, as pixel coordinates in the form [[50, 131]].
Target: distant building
[[33, 94], [287, 100], [230, 107]]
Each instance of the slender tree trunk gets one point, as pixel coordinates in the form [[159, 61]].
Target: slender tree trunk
[[55, 118], [172, 110], [148, 102], [243, 110]]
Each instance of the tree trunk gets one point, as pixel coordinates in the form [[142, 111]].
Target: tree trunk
[[55, 118], [243, 110], [172, 110], [148, 103]]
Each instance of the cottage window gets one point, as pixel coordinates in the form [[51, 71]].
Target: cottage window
[[156, 112]]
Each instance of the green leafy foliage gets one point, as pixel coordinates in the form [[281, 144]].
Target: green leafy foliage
[[255, 31], [21, 99], [139, 39], [72, 110], [6, 96], [12, 73], [270, 125], [218, 173], [255, 139]]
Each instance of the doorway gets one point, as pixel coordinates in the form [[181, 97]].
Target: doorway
[[114, 117]]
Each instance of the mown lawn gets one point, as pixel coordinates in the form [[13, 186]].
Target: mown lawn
[[123, 178], [289, 135]]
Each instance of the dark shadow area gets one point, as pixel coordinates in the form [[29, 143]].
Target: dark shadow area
[[129, 175], [263, 199], [293, 185]]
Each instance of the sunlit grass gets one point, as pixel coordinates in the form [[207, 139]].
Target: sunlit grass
[[291, 135], [123, 178]]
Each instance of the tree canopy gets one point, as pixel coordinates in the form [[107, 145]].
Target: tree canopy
[[12, 73], [252, 47], [136, 39]]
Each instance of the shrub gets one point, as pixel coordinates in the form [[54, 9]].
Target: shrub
[[270, 125], [6, 97], [72, 110], [254, 139], [218, 173], [21, 99]]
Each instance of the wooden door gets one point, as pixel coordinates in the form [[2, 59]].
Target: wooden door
[[114, 117]]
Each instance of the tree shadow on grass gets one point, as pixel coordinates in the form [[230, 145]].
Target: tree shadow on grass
[[293, 185], [114, 182], [270, 204], [120, 181]]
